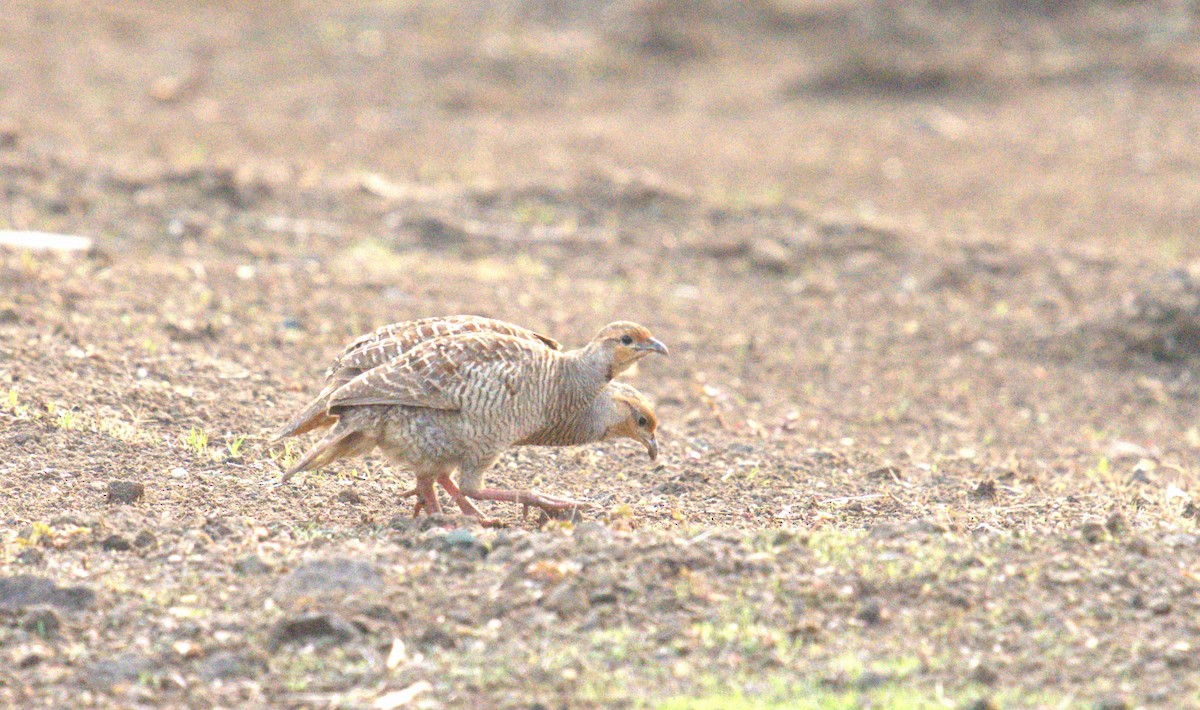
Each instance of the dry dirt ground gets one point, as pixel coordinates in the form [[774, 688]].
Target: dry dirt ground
[[929, 423]]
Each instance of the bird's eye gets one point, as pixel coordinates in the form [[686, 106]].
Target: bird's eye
[[626, 340], [642, 421]]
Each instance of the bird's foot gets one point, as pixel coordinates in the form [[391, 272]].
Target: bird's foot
[[557, 504], [426, 498], [465, 504], [530, 498]]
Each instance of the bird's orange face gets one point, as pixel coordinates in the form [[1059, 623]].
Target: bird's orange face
[[639, 422], [629, 342]]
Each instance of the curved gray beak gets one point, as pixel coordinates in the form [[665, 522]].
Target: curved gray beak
[[653, 345], [651, 447]]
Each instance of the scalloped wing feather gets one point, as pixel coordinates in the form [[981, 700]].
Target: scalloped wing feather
[[390, 341], [456, 372]]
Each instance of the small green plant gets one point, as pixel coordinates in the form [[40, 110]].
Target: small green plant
[[37, 532], [235, 447], [67, 419], [15, 406], [287, 457], [197, 440]]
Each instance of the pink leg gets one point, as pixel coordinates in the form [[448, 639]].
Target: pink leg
[[527, 498], [464, 502], [426, 497], [417, 494]]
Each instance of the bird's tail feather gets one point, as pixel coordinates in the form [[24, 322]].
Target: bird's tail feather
[[314, 416], [342, 442]]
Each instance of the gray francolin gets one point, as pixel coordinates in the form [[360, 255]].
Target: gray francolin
[[619, 411], [457, 401]]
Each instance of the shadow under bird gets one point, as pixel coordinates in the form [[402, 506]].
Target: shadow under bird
[[447, 394]]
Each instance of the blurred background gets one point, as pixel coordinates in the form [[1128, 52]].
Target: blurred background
[[1002, 120]]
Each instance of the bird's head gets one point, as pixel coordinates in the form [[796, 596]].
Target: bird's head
[[627, 342], [632, 417]]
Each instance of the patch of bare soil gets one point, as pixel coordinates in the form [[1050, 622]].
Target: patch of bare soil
[[928, 424]]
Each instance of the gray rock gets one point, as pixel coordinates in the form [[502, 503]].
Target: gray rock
[[313, 627], [42, 622], [334, 577], [226, 665], [25, 590], [250, 565], [124, 492], [125, 668]]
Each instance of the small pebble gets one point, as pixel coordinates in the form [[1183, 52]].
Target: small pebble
[[116, 543], [122, 492]]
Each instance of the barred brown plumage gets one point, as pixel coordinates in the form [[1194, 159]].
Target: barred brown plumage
[[456, 401], [387, 343], [618, 411]]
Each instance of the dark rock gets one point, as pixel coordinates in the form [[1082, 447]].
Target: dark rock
[[984, 674], [383, 612], [607, 595], [216, 528], [116, 543], [462, 540], [43, 622], [986, 490], [885, 473], [436, 636], [770, 255], [144, 539], [566, 600], [28, 590], [227, 665], [313, 627], [125, 668], [870, 612], [251, 564], [9, 136], [873, 679], [187, 330], [69, 521], [437, 232], [326, 578], [123, 492], [1163, 320], [1092, 532], [1140, 546], [30, 556]]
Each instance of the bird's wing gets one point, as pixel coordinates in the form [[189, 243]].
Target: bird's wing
[[391, 341], [465, 371]]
